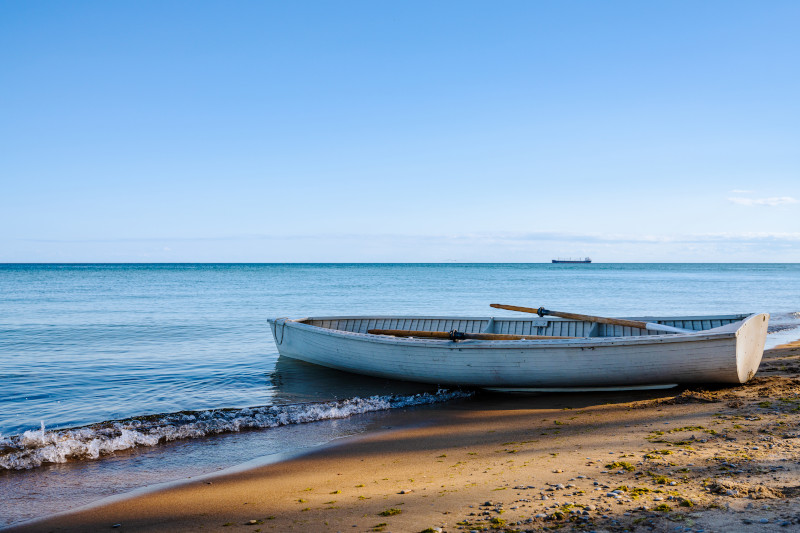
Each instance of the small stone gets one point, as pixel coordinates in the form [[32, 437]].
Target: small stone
[[673, 483], [557, 471], [252, 522], [764, 520]]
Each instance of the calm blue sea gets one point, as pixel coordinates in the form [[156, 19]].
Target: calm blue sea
[[89, 350]]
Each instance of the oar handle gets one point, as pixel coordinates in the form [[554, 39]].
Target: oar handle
[[541, 311], [590, 318]]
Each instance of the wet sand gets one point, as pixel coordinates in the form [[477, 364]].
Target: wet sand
[[688, 459]]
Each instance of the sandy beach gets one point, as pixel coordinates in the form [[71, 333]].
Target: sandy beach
[[683, 459]]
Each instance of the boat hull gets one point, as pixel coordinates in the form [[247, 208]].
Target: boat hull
[[726, 354]]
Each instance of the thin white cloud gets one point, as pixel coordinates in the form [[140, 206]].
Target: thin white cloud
[[770, 202], [741, 191], [506, 246], [482, 238]]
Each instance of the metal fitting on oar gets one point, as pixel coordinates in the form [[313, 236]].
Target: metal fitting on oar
[[542, 311], [456, 335]]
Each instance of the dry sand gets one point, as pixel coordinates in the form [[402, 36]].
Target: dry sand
[[719, 459]]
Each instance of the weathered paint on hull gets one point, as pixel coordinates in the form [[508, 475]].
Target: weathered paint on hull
[[728, 354]]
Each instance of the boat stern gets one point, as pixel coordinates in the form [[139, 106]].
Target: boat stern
[[750, 340]]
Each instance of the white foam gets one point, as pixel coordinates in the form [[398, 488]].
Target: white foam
[[783, 328], [37, 447], [781, 321]]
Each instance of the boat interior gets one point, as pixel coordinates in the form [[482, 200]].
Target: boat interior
[[547, 326]]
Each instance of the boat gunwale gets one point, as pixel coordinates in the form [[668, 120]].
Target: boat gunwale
[[739, 316], [718, 333]]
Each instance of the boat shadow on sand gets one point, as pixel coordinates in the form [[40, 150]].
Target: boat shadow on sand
[[549, 417], [296, 380]]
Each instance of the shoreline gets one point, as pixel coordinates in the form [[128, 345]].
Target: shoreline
[[689, 457]]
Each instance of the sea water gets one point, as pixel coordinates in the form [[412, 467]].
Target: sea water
[[151, 373]]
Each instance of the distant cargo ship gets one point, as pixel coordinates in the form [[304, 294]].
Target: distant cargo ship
[[584, 260]]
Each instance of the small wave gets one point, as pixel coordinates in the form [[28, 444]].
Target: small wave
[[783, 321], [35, 448], [783, 328]]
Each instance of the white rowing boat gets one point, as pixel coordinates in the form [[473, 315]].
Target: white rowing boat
[[504, 352]]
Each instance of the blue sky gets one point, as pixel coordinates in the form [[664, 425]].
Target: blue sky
[[399, 131]]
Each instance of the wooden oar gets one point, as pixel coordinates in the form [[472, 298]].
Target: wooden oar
[[459, 335], [651, 326]]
